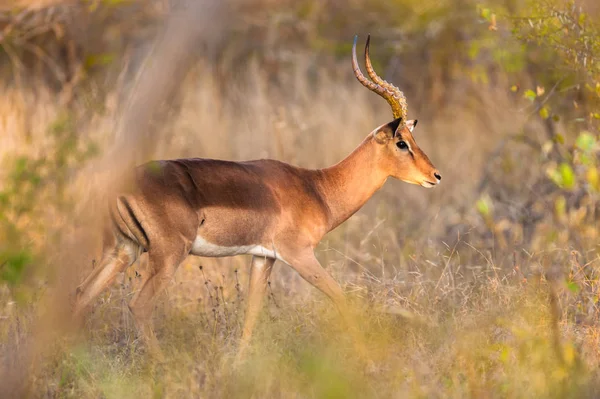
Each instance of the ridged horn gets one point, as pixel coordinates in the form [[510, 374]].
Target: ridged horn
[[397, 94], [391, 93]]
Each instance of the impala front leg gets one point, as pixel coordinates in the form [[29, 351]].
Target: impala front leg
[[260, 270], [311, 270]]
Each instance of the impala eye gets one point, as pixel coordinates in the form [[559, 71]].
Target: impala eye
[[402, 145]]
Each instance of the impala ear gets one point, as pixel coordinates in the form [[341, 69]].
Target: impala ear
[[387, 132], [411, 124]]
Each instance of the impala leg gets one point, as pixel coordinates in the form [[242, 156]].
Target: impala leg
[[311, 270], [113, 262], [81, 287], [260, 270], [144, 273], [142, 304]]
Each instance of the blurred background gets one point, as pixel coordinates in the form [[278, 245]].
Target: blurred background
[[486, 286]]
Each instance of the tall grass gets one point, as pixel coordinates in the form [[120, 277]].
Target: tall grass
[[483, 287]]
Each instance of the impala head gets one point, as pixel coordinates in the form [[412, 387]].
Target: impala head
[[400, 156]]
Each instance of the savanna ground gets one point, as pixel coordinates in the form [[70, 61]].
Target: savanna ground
[[487, 286]]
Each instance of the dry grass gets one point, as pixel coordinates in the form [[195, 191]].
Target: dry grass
[[451, 303], [442, 317]]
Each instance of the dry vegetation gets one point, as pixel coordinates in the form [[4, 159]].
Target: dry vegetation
[[486, 286]]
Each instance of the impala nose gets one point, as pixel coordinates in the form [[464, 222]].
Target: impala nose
[[438, 176]]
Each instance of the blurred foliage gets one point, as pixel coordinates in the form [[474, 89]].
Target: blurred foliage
[[552, 62], [532, 221], [543, 52], [34, 191], [512, 354]]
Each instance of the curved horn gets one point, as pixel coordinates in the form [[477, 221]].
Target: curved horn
[[398, 96], [382, 91], [361, 78]]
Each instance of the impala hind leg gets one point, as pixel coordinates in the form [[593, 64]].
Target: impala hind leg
[[114, 261], [260, 270], [142, 273], [95, 271], [161, 268]]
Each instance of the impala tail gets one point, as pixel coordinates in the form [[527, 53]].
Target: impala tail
[[123, 242], [126, 220]]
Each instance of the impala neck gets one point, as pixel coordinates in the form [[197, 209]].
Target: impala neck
[[348, 185]]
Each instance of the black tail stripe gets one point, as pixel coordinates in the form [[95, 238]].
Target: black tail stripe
[[136, 222]]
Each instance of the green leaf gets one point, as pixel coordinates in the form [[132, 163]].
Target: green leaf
[[530, 95], [586, 141], [585, 159], [154, 167], [544, 113], [567, 176], [474, 49], [505, 354], [486, 13], [483, 206], [593, 177], [573, 287], [12, 266], [559, 138], [98, 60]]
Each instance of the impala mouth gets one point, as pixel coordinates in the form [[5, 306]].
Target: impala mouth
[[428, 184]]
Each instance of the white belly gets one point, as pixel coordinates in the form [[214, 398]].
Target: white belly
[[201, 247]]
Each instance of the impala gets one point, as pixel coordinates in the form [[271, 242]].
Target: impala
[[264, 208]]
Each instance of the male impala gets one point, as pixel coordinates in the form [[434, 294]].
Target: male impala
[[264, 208]]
